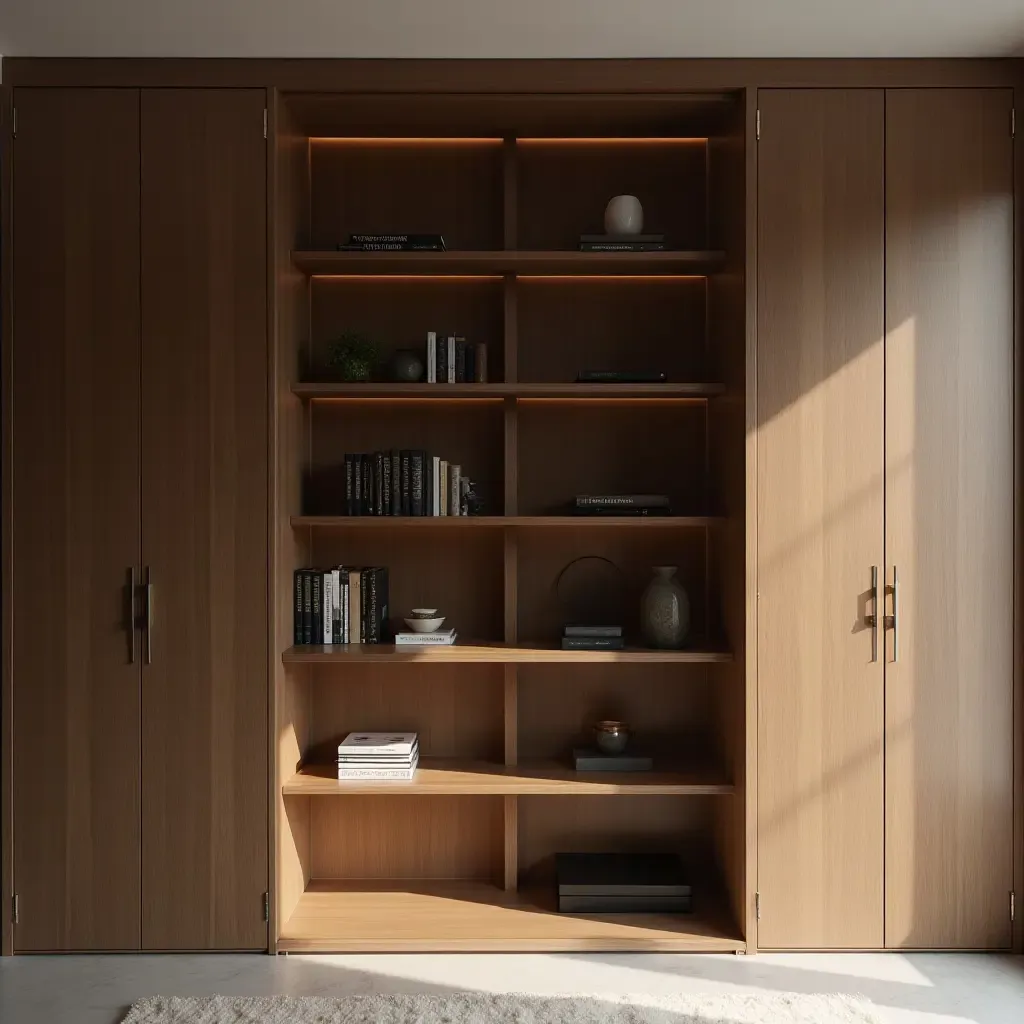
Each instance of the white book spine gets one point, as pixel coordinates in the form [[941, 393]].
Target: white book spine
[[451, 360], [435, 470], [431, 357], [455, 489], [401, 774], [328, 609]]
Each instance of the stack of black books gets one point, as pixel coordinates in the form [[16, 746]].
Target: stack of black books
[[621, 505], [622, 243], [622, 883], [392, 243], [342, 605], [592, 638]]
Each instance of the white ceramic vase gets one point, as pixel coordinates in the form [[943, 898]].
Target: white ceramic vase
[[665, 610], [624, 216]]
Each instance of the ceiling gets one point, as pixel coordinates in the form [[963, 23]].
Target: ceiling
[[512, 28]]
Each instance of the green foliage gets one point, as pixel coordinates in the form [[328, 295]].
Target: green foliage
[[353, 355]]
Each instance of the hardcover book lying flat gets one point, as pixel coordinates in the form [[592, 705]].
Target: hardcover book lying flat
[[441, 638], [622, 883]]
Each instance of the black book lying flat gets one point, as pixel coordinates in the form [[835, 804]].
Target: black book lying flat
[[621, 874], [621, 377]]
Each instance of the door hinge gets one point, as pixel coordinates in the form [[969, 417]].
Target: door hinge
[[266, 906], [264, 122], [14, 909], [757, 906], [757, 125], [1013, 906]]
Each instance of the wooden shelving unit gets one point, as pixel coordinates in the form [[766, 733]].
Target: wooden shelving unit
[[417, 916], [462, 856], [508, 262], [498, 653], [436, 777]]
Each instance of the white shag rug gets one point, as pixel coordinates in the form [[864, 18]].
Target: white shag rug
[[466, 1008]]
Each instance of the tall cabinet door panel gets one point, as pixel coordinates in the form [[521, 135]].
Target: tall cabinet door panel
[[204, 508], [820, 462], [76, 518], [949, 517]]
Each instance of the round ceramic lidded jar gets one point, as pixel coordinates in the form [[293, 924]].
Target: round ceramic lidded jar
[[624, 216], [665, 610]]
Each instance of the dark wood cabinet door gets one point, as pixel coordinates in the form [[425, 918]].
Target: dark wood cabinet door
[[75, 508], [204, 515], [949, 517], [820, 464]]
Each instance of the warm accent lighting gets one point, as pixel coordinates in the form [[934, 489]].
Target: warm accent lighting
[[611, 277], [614, 142], [372, 140], [617, 402], [394, 278], [407, 399]]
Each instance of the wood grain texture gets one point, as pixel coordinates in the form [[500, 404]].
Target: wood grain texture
[[472, 651], [393, 836], [450, 392], [6, 525], [205, 495], [820, 452], [949, 518], [438, 916], [438, 776], [456, 710], [682, 261], [511, 874], [500, 522], [76, 525], [289, 547]]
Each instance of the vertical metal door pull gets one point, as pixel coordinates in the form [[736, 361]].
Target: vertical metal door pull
[[149, 617], [893, 621], [132, 621], [872, 620]]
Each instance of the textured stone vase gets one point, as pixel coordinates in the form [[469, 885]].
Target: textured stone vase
[[624, 216], [665, 610], [407, 366]]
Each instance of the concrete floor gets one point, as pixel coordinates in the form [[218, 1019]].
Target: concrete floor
[[913, 989]]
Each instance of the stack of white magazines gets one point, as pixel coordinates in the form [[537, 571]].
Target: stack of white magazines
[[378, 755], [440, 638]]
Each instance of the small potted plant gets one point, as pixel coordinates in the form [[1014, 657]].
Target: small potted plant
[[353, 355]]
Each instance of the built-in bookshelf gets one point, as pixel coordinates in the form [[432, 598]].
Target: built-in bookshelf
[[462, 857]]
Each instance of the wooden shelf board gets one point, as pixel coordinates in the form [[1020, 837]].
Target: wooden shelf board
[[546, 262], [493, 522], [445, 916], [437, 776], [682, 391], [500, 653]]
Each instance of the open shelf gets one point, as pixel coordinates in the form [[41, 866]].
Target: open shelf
[[439, 776], [440, 916], [499, 522], [679, 261], [450, 392], [342, 654]]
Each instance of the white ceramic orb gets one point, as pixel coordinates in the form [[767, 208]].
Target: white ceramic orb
[[624, 216]]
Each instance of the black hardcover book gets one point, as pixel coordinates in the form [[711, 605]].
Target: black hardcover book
[[417, 488], [350, 487], [367, 485], [357, 485], [622, 501], [621, 874], [460, 361], [386, 487], [442, 360], [625, 904], [428, 484], [592, 630], [406, 483], [378, 483], [297, 631], [386, 247], [396, 483], [317, 629], [620, 511], [377, 604], [621, 377], [307, 606], [623, 246], [470, 364], [592, 643], [371, 605], [620, 238], [589, 759], [398, 239], [364, 601]]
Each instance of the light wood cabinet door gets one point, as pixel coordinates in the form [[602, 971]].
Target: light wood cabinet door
[[949, 517], [820, 464], [75, 510], [204, 513]]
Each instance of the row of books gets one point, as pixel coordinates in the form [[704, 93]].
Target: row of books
[[392, 243], [341, 606], [453, 360], [404, 483], [378, 755]]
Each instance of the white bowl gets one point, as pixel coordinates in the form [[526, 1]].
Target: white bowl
[[425, 625]]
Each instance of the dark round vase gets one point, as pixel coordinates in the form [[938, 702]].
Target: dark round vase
[[407, 366]]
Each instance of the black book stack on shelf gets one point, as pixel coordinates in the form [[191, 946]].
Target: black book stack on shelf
[[622, 883], [592, 638], [343, 605], [392, 243], [621, 505], [410, 482], [622, 243]]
